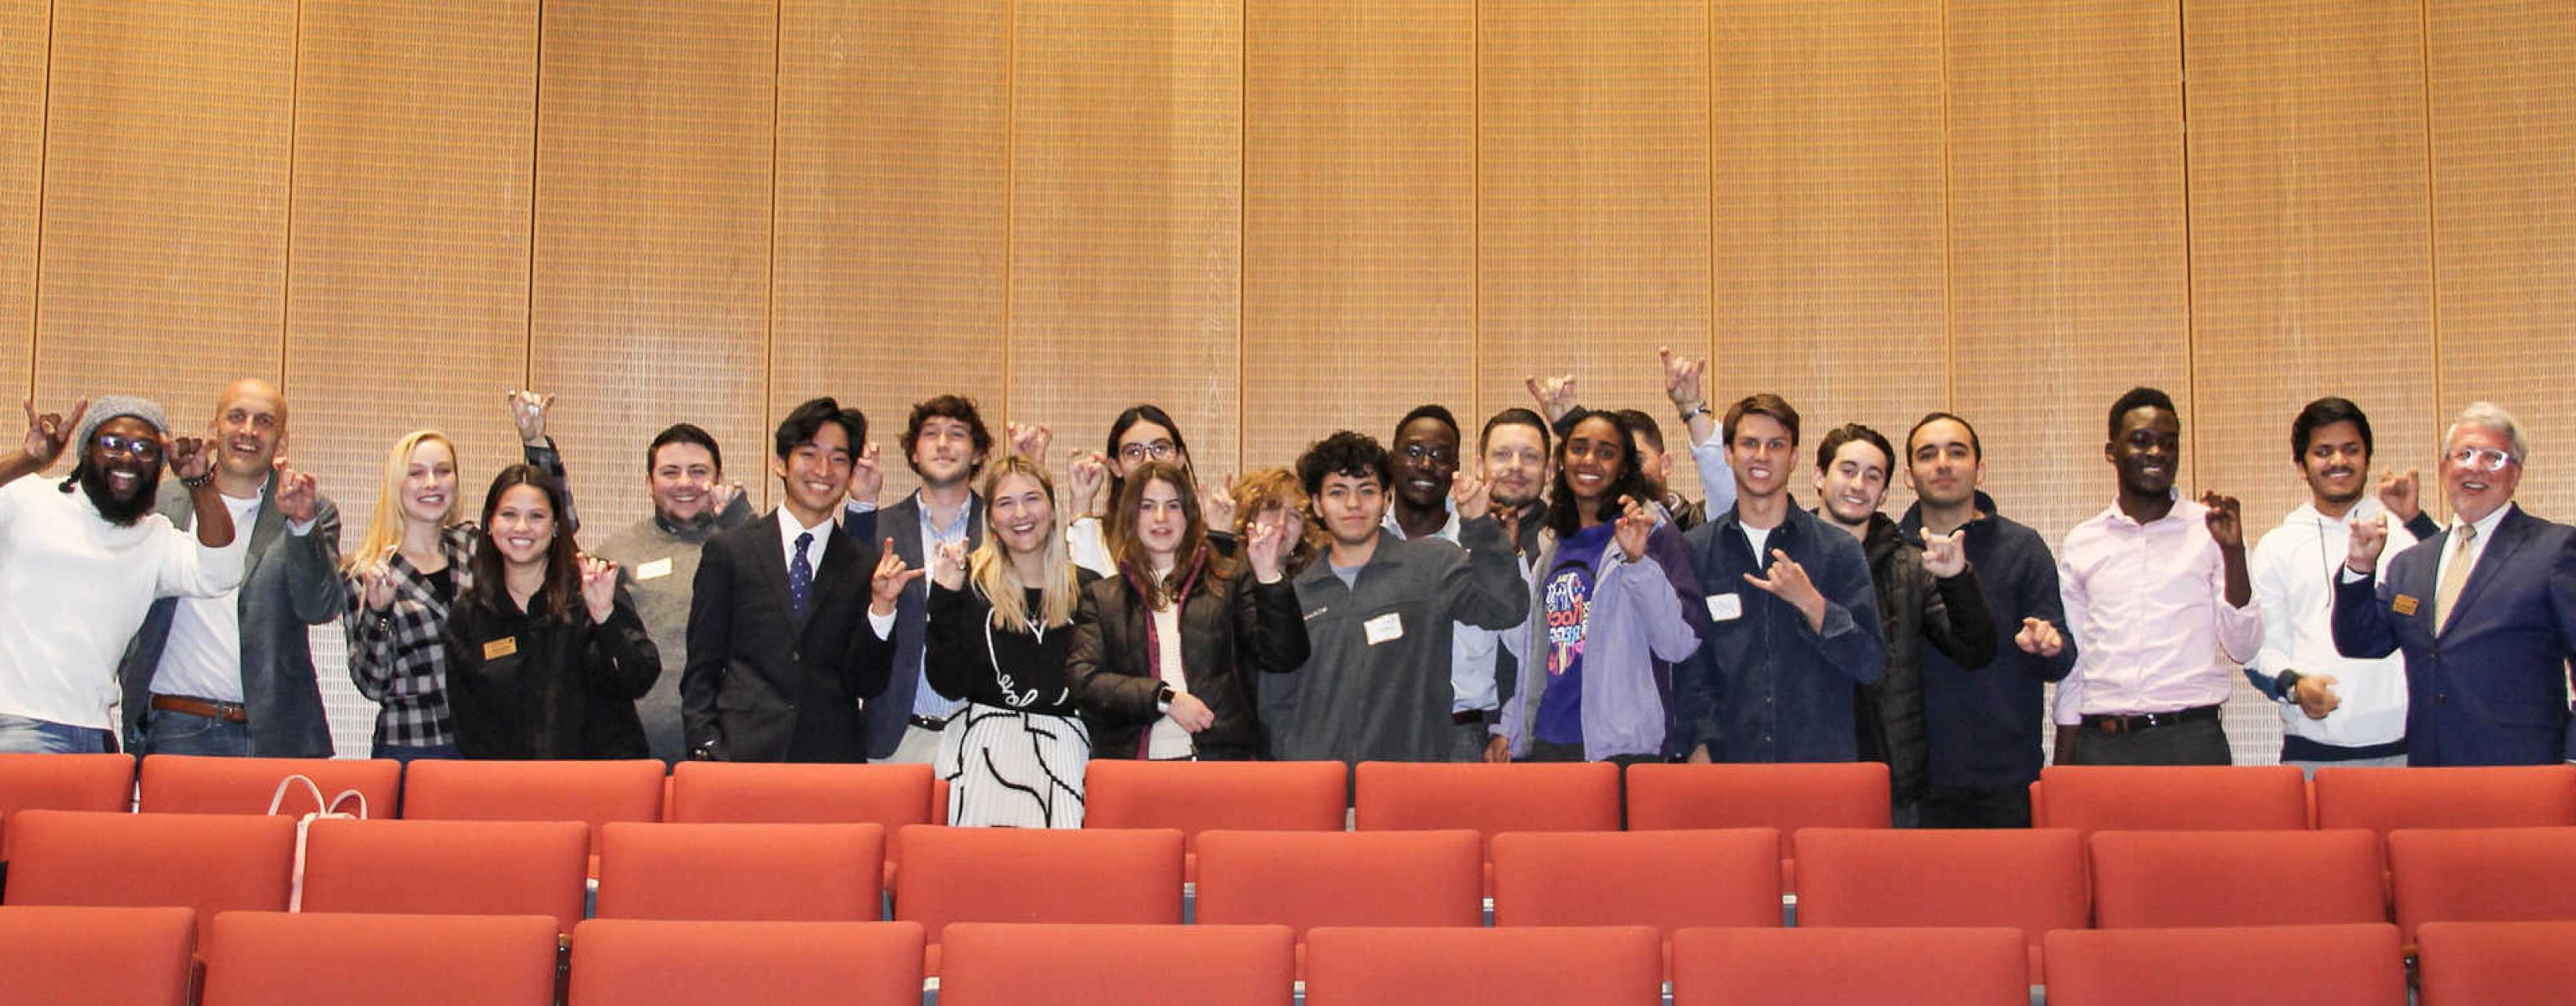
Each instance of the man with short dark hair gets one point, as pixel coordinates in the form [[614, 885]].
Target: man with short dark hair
[[946, 442], [2155, 585], [1380, 615], [1425, 463], [657, 561]]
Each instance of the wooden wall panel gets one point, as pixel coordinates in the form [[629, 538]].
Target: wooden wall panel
[[2503, 112], [2310, 234], [893, 129], [649, 284], [25, 34], [1126, 228], [2067, 237], [1359, 218], [1828, 208], [1593, 210], [165, 199]]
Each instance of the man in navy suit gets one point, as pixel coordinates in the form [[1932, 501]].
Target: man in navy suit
[[2485, 611], [945, 441]]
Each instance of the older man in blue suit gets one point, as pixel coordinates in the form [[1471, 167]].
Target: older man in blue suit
[[2485, 611]]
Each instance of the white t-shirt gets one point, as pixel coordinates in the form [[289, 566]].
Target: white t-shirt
[[202, 659]]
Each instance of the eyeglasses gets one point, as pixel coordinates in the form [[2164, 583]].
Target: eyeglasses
[[2481, 459], [135, 447], [1419, 452], [1154, 450]]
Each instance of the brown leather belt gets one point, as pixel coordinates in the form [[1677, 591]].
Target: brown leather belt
[[229, 712]]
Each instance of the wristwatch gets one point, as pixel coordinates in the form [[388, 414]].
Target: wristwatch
[[1700, 409], [2290, 687]]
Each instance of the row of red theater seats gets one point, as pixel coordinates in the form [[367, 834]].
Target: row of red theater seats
[[2034, 881], [143, 956]]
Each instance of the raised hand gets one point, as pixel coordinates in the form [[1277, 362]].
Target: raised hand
[[376, 584], [528, 411], [948, 565], [1473, 497], [1031, 440], [1085, 473], [189, 458], [2369, 538], [2314, 695], [49, 433], [1682, 378], [297, 499], [1555, 395], [721, 495], [2403, 495], [2225, 520], [1788, 582], [867, 478], [2039, 639], [1636, 526], [1269, 542], [1945, 556], [1216, 503], [598, 587], [885, 586]]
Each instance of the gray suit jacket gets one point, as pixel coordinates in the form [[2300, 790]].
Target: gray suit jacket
[[289, 584], [888, 713]]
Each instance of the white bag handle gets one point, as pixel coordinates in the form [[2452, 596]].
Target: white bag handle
[[295, 897]]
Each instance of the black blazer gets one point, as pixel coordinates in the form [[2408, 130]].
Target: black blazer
[[763, 684]]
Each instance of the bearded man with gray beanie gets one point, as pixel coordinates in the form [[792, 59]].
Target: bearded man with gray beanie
[[83, 558]]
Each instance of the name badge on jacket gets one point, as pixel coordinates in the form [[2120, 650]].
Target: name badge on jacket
[[654, 570], [2404, 604], [501, 647], [1384, 628], [1725, 607]]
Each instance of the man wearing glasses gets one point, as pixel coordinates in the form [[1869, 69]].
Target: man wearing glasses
[[1425, 462], [83, 558], [2485, 611]]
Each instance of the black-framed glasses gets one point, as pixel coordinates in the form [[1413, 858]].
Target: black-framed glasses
[[1424, 452]]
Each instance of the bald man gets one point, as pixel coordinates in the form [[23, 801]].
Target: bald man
[[233, 675]]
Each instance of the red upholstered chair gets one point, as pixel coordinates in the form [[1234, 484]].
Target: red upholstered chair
[[1036, 875], [207, 862], [2349, 965], [745, 872], [592, 792], [55, 954], [2031, 880], [447, 868], [2385, 799], [1602, 965], [2171, 798], [380, 960], [188, 784], [999, 964], [1785, 798], [1303, 879], [892, 797], [102, 783], [1851, 967], [2496, 963], [1670, 880], [632, 962], [1202, 796], [1491, 799], [2237, 878], [2472, 875]]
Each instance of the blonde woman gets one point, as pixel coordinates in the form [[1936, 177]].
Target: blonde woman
[[1000, 624]]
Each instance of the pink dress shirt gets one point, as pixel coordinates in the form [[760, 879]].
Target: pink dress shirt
[[2148, 606]]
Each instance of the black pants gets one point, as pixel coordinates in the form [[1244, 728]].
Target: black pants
[[2197, 742], [1960, 807]]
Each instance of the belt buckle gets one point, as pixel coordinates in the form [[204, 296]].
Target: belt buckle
[[232, 712]]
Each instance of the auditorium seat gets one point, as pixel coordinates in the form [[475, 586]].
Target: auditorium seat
[[1963, 966], [446, 868], [2477, 875], [2348, 965], [2031, 880], [2092, 798], [380, 960], [892, 797], [1605, 965], [1036, 875], [57, 954], [188, 784], [633, 962], [92, 782], [207, 862], [1492, 799], [1670, 880], [1197, 796], [1782, 797], [2385, 799], [592, 792], [1304, 879], [746, 872], [2237, 878], [999, 964], [2496, 963]]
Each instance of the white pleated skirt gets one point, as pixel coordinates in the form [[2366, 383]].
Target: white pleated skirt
[[1012, 769]]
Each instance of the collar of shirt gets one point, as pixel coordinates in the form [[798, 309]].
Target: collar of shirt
[[2486, 527], [956, 529], [788, 529], [1448, 532], [2183, 509]]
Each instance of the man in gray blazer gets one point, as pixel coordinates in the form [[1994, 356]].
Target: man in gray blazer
[[233, 675]]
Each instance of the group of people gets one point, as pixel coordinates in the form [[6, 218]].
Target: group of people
[[1540, 593]]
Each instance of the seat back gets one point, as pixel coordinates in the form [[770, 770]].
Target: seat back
[[2171, 798], [2505, 796], [889, 796], [207, 862], [636, 962], [2496, 963], [2031, 880], [1540, 964], [190, 784], [1193, 797], [382, 960], [592, 792], [2237, 878], [1670, 880], [1851, 967], [2477, 875], [747, 872], [1491, 799], [2348, 965], [1303, 879], [101, 783], [1038, 875], [999, 964], [65, 954], [447, 868]]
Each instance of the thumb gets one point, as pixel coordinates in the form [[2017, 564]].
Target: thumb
[[2324, 679]]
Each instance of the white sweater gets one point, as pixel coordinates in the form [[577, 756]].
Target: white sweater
[[74, 590]]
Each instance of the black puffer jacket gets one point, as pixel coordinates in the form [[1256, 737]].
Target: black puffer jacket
[[1231, 628], [1913, 608]]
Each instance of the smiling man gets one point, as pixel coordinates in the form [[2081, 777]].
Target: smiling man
[[657, 561], [2485, 610], [945, 441], [2155, 586]]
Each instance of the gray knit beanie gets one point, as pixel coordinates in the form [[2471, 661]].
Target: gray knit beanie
[[111, 406]]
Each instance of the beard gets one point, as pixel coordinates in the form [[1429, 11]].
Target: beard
[[125, 512]]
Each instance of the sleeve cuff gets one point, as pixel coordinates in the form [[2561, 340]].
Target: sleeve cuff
[[300, 528], [883, 624]]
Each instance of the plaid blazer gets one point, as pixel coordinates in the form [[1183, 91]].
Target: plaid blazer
[[399, 657]]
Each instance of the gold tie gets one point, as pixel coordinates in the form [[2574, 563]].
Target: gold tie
[[2448, 593]]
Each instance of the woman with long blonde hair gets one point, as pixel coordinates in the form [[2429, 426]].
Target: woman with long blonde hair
[[1000, 624]]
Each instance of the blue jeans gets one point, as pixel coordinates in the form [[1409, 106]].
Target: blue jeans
[[177, 733], [21, 735]]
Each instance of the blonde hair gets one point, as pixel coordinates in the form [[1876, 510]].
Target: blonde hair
[[384, 532], [993, 574]]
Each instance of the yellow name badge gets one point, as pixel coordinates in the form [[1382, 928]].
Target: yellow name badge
[[2404, 604], [500, 648]]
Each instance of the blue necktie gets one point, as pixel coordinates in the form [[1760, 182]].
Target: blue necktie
[[800, 573]]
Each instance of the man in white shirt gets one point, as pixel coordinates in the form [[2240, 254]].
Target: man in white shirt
[[83, 558]]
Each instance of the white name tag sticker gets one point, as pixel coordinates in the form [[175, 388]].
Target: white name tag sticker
[[1725, 607], [654, 570], [1384, 628]]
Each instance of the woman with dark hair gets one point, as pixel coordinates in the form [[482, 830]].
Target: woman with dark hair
[[545, 653], [1609, 612], [1141, 435], [1161, 651]]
